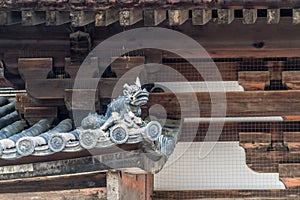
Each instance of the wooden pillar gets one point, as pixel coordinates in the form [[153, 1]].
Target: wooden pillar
[[122, 185], [201, 16], [275, 69]]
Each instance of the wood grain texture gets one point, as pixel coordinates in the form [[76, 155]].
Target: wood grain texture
[[238, 104], [55, 183]]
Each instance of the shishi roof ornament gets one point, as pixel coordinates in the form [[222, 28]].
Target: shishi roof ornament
[[122, 122]]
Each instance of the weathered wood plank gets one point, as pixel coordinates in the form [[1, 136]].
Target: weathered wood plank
[[226, 194], [291, 136], [273, 16], [82, 18], [291, 79], [130, 17], [154, 17], [134, 161], [253, 80], [178, 17], [34, 68], [40, 112], [106, 17], [23, 101], [255, 140], [249, 16], [32, 18], [72, 194], [292, 140], [289, 170], [56, 18], [239, 104], [10, 17], [55, 183], [225, 16], [86, 103], [291, 183], [201, 16]]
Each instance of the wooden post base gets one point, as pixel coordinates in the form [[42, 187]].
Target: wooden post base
[[122, 185]]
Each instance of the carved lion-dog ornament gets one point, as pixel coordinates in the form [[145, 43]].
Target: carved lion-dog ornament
[[122, 122]]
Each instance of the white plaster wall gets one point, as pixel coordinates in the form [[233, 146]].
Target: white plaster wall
[[223, 169]]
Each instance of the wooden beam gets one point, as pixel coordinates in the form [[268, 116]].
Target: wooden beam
[[82, 18], [253, 80], [130, 17], [55, 183], [291, 79], [106, 17], [10, 17], [255, 140], [291, 183], [249, 16], [154, 17], [238, 104], [201, 16], [220, 194], [127, 157], [56, 18], [289, 170], [91, 98], [90, 193], [225, 16], [34, 68], [32, 18], [291, 140], [177, 17], [296, 16], [273, 16], [40, 112]]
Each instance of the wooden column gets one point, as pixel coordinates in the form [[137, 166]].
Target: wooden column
[[122, 185], [154, 17], [178, 17], [201, 16]]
